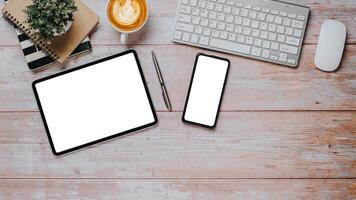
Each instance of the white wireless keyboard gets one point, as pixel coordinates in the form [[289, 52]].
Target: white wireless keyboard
[[266, 30]]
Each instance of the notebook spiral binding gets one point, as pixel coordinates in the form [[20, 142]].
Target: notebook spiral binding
[[40, 42]]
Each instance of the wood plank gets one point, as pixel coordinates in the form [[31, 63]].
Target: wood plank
[[251, 85], [162, 13], [176, 189], [244, 145]]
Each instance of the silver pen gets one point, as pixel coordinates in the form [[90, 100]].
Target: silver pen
[[161, 81]]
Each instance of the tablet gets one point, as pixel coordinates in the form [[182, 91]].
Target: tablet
[[94, 102]]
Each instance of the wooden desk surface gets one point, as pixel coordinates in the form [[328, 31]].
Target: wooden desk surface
[[282, 134]]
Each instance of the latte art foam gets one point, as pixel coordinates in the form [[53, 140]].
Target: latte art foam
[[127, 15], [127, 11]]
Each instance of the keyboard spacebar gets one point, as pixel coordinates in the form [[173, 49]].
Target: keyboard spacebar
[[231, 46]]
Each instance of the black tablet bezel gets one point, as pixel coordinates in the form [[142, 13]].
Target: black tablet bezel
[[105, 138], [190, 86]]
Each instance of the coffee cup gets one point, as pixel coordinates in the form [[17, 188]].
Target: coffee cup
[[127, 16]]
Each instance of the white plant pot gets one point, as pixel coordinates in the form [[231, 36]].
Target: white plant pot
[[65, 30]]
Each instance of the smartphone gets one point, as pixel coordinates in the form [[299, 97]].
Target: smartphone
[[206, 90]]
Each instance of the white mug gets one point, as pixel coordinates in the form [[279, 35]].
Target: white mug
[[125, 34]]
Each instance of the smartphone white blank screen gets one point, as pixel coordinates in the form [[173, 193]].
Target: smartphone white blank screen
[[206, 90], [94, 102]]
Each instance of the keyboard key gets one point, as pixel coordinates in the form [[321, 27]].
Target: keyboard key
[[221, 16], [246, 31], [196, 12], [210, 5], [281, 38], [185, 1], [195, 20], [265, 53], [255, 24], [235, 11], [272, 36], [218, 7], [288, 49], [291, 61], [221, 25], [280, 29], [186, 37], [177, 35], [249, 40], [287, 22], [213, 23], [206, 31], [227, 9], [256, 51], [204, 40], [261, 16], [238, 20], [275, 12], [272, 27], [241, 38], [266, 44], [300, 17], [238, 29], [223, 35], [184, 27], [235, 47], [291, 15], [278, 20], [229, 18], [263, 26], [255, 33], [204, 13], [212, 15], [184, 18], [215, 33], [266, 10], [246, 22], [244, 12], [297, 24], [198, 30], [297, 33], [204, 22], [232, 36], [194, 38], [289, 31], [292, 40], [230, 27], [269, 18], [264, 34], [274, 46], [202, 3], [193, 2], [185, 9], [258, 42]]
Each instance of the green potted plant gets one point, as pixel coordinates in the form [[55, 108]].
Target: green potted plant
[[50, 18]]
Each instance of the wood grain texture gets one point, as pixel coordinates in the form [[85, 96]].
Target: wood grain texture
[[177, 189], [251, 85], [283, 133], [244, 145]]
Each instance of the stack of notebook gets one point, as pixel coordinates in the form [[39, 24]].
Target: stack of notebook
[[38, 53]]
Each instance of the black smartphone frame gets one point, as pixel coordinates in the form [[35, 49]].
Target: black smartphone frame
[[190, 87], [155, 122]]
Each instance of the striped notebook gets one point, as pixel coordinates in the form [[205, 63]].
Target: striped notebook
[[36, 58]]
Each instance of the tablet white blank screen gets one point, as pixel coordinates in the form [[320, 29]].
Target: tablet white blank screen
[[206, 89], [94, 102]]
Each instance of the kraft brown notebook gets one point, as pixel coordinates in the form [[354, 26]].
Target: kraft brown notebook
[[61, 46]]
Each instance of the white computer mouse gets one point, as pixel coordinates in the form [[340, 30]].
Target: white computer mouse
[[330, 45]]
